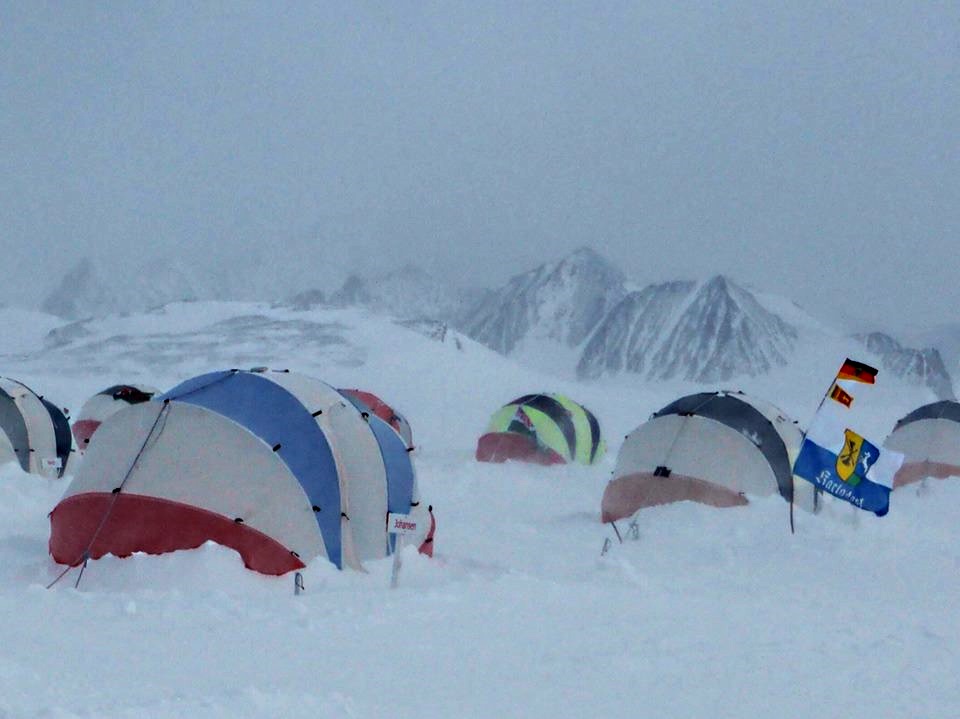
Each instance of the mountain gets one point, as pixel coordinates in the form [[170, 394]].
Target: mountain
[[918, 366], [92, 289], [560, 301], [704, 332], [408, 292]]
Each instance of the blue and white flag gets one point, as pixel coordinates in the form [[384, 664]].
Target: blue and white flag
[[839, 460]]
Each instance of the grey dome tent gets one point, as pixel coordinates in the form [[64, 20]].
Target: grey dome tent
[[715, 448], [929, 438], [33, 430]]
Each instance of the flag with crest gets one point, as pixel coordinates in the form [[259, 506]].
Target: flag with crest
[[839, 460]]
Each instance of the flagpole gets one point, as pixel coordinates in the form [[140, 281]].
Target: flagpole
[[803, 437]]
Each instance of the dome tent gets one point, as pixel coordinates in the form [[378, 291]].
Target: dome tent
[[33, 431], [929, 438], [105, 403], [275, 465], [716, 448], [369, 402], [543, 429]]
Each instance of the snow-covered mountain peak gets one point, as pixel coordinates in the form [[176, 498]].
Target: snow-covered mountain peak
[[561, 301], [703, 332]]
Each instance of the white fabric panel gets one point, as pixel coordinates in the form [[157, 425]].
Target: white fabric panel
[[202, 459], [697, 447], [99, 407], [363, 478], [937, 440], [40, 433]]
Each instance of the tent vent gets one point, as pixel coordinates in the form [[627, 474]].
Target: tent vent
[[661, 471], [365, 415], [238, 520], [115, 490], [410, 449], [316, 508], [276, 447], [317, 413]]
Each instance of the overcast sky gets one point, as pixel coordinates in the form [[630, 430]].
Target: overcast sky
[[809, 148]]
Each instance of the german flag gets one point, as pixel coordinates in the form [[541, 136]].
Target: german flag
[[837, 394], [857, 371]]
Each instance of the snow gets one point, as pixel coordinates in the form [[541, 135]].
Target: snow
[[719, 613]]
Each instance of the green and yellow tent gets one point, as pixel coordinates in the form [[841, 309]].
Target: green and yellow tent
[[544, 429]]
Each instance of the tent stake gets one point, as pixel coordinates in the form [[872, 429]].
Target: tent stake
[[614, 525]]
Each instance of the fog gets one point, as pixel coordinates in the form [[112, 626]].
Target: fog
[[810, 150]]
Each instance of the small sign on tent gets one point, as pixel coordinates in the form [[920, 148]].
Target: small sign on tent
[[400, 525]]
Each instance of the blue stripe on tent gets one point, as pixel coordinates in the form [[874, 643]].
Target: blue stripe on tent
[[278, 418], [399, 468]]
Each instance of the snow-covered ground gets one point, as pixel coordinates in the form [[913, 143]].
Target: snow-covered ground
[[709, 613]]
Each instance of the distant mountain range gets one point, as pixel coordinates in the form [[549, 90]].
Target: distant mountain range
[[579, 309], [705, 332]]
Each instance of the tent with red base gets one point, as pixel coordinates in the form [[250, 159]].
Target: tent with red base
[[929, 438], [715, 448], [105, 403], [542, 429], [276, 465]]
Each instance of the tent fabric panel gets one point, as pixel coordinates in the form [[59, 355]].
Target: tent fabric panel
[[363, 476], [127, 393], [63, 439], [736, 411], [501, 418], [400, 476], [279, 419], [558, 414], [697, 447], [624, 496], [40, 433], [504, 446], [199, 458], [13, 425], [597, 447], [99, 407], [931, 438], [549, 433], [401, 481], [945, 409], [83, 430], [138, 523], [369, 402], [583, 448], [911, 472], [935, 439]]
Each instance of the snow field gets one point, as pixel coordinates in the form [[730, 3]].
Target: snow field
[[709, 613]]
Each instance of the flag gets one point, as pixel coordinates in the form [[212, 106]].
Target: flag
[[839, 460], [838, 395], [857, 371]]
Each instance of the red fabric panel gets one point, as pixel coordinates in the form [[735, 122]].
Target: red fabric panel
[[625, 495], [376, 405], [911, 472], [501, 446], [137, 523], [427, 547], [83, 430]]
